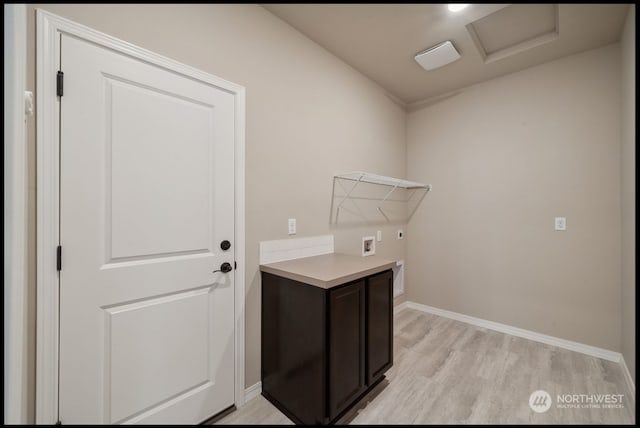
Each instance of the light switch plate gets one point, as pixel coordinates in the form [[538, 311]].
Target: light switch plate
[[379, 236], [292, 226], [400, 234]]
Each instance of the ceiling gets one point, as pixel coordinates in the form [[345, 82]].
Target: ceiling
[[381, 40]]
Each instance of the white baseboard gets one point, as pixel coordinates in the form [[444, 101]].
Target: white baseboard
[[628, 378], [593, 351], [400, 307], [252, 392]]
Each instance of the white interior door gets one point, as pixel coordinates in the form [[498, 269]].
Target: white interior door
[[147, 196]]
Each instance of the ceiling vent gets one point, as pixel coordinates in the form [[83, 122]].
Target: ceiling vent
[[437, 56]]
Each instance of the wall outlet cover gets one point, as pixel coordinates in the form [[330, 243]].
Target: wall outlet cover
[[368, 246]]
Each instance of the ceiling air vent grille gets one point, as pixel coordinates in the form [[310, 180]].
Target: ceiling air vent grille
[[437, 56]]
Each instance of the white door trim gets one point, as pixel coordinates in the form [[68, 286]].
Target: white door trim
[[15, 215], [49, 27]]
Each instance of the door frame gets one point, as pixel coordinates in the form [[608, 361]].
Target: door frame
[[49, 27], [16, 194]]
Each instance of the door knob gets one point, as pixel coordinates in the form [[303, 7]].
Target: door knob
[[225, 245], [224, 268]]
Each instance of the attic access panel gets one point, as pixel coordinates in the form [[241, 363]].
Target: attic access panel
[[514, 29]]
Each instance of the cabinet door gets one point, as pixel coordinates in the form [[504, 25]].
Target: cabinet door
[[293, 348], [379, 325], [346, 346]]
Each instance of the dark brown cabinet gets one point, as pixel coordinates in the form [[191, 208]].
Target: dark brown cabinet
[[379, 325], [346, 346], [323, 349]]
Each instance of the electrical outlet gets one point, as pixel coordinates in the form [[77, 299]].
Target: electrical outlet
[[292, 226], [561, 223], [400, 234]]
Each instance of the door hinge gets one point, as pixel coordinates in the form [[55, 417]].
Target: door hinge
[[60, 83], [59, 258], [235, 265]]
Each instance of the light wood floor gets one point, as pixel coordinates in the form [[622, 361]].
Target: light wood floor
[[448, 372]]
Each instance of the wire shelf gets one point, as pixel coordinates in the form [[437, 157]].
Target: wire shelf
[[370, 206]]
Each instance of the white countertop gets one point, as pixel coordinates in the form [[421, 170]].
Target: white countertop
[[328, 270]]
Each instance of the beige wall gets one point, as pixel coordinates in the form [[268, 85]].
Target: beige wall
[[506, 157], [628, 51], [309, 115]]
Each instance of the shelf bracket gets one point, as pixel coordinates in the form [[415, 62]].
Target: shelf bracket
[[384, 199], [387, 195], [347, 195]]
